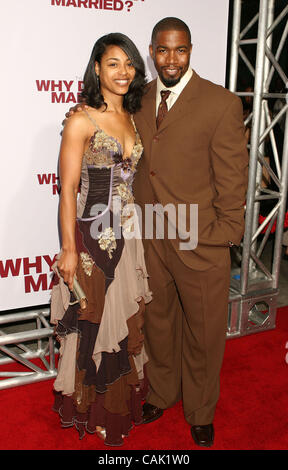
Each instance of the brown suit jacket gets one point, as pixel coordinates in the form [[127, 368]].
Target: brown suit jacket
[[197, 156]]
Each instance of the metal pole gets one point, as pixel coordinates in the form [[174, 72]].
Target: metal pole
[[282, 209], [261, 145], [235, 45], [258, 90]]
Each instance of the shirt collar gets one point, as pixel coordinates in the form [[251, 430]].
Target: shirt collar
[[177, 89]]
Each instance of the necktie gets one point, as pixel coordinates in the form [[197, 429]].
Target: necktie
[[163, 109]]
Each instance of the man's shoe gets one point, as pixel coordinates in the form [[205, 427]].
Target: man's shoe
[[203, 435], [151, 413]]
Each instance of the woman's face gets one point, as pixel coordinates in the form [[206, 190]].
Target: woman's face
[[116, 71]]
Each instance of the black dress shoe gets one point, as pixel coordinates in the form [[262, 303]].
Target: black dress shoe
[[203, 435], [151, 413]]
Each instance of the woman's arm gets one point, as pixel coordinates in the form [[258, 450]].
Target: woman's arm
[[71, 154]]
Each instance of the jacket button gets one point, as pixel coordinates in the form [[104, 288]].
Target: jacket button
[[152, 173], [155, 138]]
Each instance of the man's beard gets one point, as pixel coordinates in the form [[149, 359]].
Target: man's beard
[[169, 82]]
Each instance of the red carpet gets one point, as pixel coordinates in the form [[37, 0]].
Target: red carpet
[[251, 413]]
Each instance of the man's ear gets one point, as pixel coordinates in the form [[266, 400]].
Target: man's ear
[[151, 52]]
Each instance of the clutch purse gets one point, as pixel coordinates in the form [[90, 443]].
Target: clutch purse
[[79, 294], [77, 290]]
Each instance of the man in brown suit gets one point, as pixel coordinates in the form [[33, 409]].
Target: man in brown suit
[[196, 155]]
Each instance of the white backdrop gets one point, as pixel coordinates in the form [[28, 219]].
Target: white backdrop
[[45, 47]]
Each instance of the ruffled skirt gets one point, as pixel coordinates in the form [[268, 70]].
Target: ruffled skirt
[[101, 378]]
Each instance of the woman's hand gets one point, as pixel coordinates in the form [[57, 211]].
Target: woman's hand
[[67, 265]]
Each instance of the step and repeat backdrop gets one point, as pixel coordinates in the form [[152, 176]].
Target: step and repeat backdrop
[[45, 47]]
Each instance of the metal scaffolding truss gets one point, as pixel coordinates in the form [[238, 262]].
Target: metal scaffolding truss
[[254, 285], [33, 348]]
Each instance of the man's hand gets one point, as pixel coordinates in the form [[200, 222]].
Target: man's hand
[[74, 109]]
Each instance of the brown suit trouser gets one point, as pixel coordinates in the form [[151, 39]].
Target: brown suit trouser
[[185, 331]]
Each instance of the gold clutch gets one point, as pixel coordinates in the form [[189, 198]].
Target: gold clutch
[[79, 294]]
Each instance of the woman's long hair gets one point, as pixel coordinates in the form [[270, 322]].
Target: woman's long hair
[[91, 93]]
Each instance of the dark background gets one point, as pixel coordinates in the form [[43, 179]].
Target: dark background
[[249, 9]]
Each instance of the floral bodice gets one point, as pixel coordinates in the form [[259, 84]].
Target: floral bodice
[[106, 183]]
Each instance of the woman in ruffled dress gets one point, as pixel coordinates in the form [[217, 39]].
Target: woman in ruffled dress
[[101, 371]]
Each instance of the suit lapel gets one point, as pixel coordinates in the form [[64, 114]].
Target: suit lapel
[[178, 110], [183, 103]]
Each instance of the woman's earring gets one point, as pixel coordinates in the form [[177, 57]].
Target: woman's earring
[[98, 81]]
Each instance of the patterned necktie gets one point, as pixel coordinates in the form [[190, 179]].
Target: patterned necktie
[[163, 109]]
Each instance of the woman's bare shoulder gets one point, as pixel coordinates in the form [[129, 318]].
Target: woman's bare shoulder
[[78, 118], [78, 123]]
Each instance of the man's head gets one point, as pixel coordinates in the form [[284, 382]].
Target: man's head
[[170, 50]]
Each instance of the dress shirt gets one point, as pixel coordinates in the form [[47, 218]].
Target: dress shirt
[[176, 90]]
